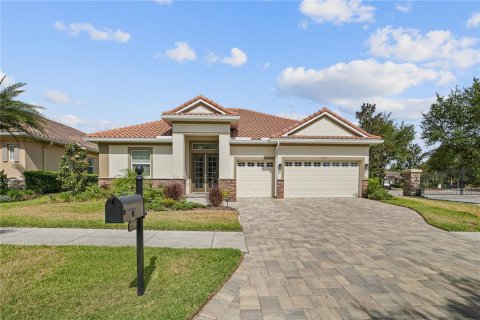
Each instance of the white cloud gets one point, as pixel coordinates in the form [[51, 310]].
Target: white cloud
[[181, 52], [104, 34], [86, 125], [237, 58], [337, 11], [163, 2], [474, 20], [211, 57], [59, 97], [357, 79], [8, 81], [404, 7], [263, 66], [435, 48]]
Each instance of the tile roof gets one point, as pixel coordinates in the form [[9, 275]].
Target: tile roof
[[60, 133], [143, 130], [197, 98], [327, 137], [326, 110]]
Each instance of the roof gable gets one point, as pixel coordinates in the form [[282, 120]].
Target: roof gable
[[200, 105]]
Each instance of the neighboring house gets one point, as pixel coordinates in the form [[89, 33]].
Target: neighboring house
[[42, 150], [393, 177], [252, 154]]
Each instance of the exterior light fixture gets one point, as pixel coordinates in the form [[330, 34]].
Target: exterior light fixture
[[279, 167], [366, 166]]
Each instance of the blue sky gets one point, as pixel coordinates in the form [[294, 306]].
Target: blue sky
[[101, 64]]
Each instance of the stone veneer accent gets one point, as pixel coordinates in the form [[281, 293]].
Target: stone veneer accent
[[411, 181], [364, 188], [230, 185], [107, 182], [280, 189]]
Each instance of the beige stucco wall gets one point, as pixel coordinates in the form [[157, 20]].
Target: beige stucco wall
[[35, 155], [323, 127]]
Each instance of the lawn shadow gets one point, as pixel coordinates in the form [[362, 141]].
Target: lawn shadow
[[147, 274]]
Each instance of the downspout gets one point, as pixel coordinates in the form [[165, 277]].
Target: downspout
[[276, 169]]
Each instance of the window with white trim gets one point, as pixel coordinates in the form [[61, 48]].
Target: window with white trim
[[251, 164], [90, 161], [336, 164], [326, 164], [269, 164], [344, 164], [298, 164], [288, 164], [204, 146], [260, 164], [353, 164], [307, 164], [241, 164], [317, 164], [11, 152], [142, 158]]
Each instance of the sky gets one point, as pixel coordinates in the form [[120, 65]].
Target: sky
[[97, 65]]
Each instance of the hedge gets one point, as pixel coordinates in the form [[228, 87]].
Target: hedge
[[46, 181], [42, 181]]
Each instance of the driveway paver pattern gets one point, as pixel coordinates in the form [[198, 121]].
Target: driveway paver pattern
[[347, 259]]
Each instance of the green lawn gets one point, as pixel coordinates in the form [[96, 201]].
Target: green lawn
[[446, 215], [42, 213], [44, 282]]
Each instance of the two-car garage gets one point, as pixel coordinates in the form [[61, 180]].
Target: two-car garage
[[302, 178]]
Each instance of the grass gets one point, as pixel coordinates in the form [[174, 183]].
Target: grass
[[42, 213], [446, 215], [44, 282]]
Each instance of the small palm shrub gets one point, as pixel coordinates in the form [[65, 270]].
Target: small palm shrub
[[126, 184], [173, 190], [215, 196], [375, 191]]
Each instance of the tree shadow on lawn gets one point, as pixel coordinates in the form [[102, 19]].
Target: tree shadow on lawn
[[148, 271], [465, 306]]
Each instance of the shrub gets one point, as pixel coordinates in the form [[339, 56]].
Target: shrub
[[126, 184], [150, 193], [20, 195], [186, 205], [73, 169], [225, 194], [215, 196], [173, 190], [3, 182], [155, 205], [92, 192], [5, 198], [375, 191], [169, 202], [42, 181], [91, 179]]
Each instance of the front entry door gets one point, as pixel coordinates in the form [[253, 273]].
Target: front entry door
[[204, 171]]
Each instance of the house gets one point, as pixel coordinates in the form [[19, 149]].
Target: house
[[392, 177], [249, 153], [37, 150]]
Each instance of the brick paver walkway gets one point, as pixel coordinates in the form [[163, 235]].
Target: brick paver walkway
[[347, 259]]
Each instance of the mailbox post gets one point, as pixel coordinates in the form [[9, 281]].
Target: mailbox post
[[130, 209], [140, 259]]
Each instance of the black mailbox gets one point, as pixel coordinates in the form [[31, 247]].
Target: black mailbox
[[124, 208]]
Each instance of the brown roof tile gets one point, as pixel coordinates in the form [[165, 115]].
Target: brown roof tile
[[200, 97], [60, 133], [143, 130]]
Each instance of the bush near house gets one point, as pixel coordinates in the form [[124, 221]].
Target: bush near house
[[215, 196], [42, 181], [173, 190], [3, 182], [375, 191]]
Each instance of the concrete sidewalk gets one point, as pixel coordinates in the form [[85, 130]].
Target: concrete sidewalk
[[108, 237]]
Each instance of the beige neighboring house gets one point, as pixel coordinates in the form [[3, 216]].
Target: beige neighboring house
[[42, 150], [249, 153]]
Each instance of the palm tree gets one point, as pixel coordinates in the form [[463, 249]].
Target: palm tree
[[18, 116]]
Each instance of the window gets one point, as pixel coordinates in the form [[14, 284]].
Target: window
[[326, 164], [307, 164], [353, 164], [142, 158], [298, 164], [317, 164], [251, 164], [205, 146], [269, 164], [260, 164], [336, 164], [241, 164], [90, 165], [288, 164], [344, 164], [11, 152]]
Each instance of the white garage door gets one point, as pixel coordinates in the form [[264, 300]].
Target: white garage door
[[254, 178], [305, 179]]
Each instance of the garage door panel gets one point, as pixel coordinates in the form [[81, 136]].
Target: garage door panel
[[325, 180], [254, 178]]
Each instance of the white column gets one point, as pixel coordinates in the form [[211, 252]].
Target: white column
[[178, 151], [224, 156]]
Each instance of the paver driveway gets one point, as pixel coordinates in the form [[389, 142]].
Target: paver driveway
[[347, 259]]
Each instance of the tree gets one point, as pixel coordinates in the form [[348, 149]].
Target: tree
[[73, 169], [17, 115], [398, 148], [453, 125]]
